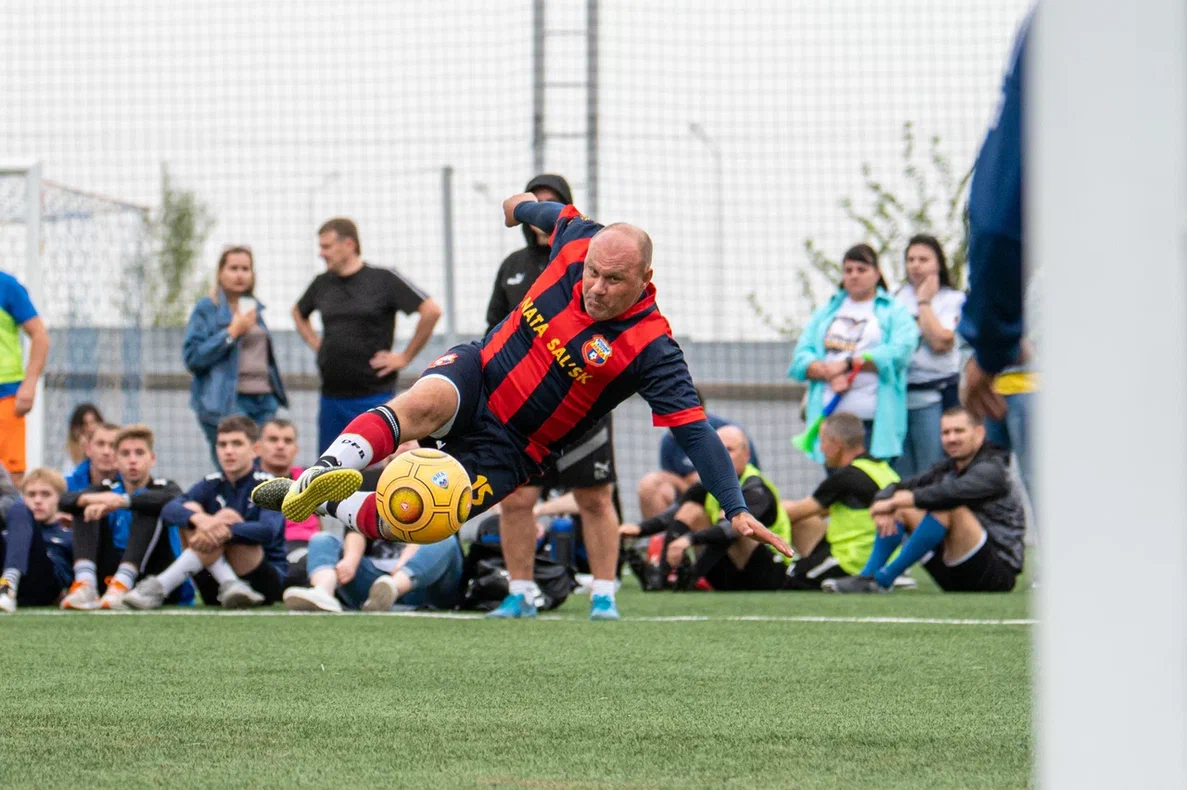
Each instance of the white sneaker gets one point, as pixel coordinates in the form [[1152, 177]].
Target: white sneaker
[[82, 596], [147, 594], [382, 595], [311, 599], [7, 599], [238, 594], [113, 597]]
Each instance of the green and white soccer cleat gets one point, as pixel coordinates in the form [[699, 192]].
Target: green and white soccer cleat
[[299, 499]]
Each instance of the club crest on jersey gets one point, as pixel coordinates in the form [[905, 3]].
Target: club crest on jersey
[[596, 350], [441, 480], [447, 359]]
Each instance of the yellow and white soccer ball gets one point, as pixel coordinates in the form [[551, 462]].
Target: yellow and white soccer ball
[[423, 496]]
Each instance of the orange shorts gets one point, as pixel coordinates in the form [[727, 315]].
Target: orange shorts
[[12, 437]]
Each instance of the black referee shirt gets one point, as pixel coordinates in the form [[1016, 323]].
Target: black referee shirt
[[358, 314]]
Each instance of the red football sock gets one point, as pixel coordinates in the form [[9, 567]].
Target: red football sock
[[358, 512], [370, 437]]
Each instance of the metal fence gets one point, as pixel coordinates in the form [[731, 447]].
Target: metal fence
[[749, 139]]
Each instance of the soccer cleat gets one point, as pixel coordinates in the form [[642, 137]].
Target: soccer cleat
[[238, 594], [113, 596], [7, 597], [603, 607], [316, 485], [310, 599], [382, 595], [82, 597], [270, 495], [513, 607], [853, 584], [147, 594]]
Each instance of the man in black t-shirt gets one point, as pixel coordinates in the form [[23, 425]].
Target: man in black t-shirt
[[358, 305], [839, 546]]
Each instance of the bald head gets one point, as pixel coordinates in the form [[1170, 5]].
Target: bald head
[[737, 445], [624, 241], [617, 270]]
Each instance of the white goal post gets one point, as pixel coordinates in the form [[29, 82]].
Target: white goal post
[[1106, 215]]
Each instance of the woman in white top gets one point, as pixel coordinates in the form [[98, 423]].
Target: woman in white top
[[934, 374]]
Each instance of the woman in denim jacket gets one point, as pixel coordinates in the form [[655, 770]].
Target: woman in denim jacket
[[861, 326], [228, 350]]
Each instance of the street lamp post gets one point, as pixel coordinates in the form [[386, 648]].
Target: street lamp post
[[719, 268]]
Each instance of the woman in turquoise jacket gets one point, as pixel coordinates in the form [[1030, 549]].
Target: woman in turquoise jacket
[[861, 326]]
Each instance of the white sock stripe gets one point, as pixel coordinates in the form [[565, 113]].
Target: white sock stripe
[[152, 544], [393, 423]]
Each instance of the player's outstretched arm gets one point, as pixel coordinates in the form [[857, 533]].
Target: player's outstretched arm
[[712, 462]]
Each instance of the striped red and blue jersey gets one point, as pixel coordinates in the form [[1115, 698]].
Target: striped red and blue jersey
[[551, 371]]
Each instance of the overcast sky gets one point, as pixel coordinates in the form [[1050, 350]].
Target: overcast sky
[[281, 114]]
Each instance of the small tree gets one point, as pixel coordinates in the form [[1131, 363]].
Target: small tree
[[934, 204], [179, 230]]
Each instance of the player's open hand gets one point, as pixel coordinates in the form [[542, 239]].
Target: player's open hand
[[977, 394], [509, 207], [748, 526]]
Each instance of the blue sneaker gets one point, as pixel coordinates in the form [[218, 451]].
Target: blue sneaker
[[512, 607], [602, 607]]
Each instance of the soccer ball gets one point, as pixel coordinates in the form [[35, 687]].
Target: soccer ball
[[423, 496]]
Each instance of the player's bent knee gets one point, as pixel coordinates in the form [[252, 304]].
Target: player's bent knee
[[596, 499], [431, 403], [520, 501]]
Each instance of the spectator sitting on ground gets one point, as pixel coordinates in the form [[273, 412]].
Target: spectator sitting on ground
[[860, 330], [235, 552], [100, 461], [660, 489], [839, 546], [118, 532], [725, 559], [35, 544], [278, 450], [361, 574], [83, 420], [965, 513]]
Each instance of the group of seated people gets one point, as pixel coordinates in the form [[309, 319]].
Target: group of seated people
[[861, 529], [113, 536]]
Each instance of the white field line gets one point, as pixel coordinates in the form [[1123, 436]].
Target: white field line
[[213, 612]]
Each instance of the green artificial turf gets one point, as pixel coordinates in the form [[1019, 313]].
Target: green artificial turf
[[127, 701]]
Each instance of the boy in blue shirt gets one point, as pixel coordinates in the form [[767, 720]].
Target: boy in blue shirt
[[235, 551], [35, 546]]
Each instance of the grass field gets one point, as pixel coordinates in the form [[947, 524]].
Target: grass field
[[128, 701]]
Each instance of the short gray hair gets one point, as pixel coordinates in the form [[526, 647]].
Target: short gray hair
[[846, 428]]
